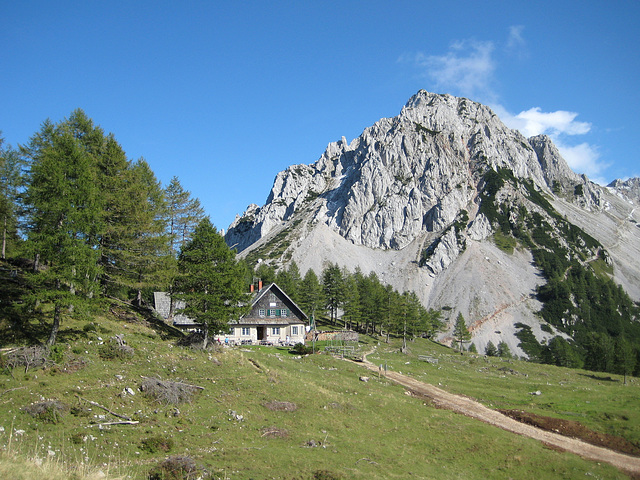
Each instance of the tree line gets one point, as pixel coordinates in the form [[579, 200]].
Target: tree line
[[88, 223], [92, 222], [355, 301]]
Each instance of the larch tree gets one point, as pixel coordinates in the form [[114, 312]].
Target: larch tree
[[491, 350], [461, 332], [183, 214], [311, 298], [350, 301], [332, 283], [10, 182], [62, 213], [148, 244], [211, 281]]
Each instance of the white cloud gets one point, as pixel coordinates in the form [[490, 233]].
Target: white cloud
[[468, 67], [534, 122], [583, 158], [515, 41]]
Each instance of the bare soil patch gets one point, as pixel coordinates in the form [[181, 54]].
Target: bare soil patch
[[571, 428]]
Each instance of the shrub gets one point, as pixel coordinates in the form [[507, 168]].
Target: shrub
[[80, 411], [325, 475], [115, 349], [49, 411], [301, 349], [167, 392], [27, 357], [157, 444], [176, 467], [56, 353], [90, 327]]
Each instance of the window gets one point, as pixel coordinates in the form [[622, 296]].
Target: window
[[283, 312], [261, 312], [246, 331], [272, 312], [275, 331], [294, 330]]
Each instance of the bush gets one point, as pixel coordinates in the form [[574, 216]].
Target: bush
[[27, 357], [115, 349], [49, 411], [56, 354], [301, 349], [176, 467], [157, 444], [326, 475], [90, 327]]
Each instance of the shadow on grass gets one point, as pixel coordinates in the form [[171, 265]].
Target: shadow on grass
[[601, 379]]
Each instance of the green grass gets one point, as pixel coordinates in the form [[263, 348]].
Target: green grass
[[361, 430], [600, 401], [506, 243]]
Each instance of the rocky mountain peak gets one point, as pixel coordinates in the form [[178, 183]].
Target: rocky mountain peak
[[404, 176]]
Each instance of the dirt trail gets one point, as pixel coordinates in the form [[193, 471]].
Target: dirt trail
[[471, 408]]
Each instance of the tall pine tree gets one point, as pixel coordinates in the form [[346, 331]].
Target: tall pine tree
[[10, 183], [183, 214], [62, 213], [211, 281]]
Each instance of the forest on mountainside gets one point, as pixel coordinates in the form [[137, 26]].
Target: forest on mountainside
[[597, 317]]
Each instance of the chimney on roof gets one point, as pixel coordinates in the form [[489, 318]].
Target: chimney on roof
[[256, 282]]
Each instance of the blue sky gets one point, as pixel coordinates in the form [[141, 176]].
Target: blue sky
[[225, 95]]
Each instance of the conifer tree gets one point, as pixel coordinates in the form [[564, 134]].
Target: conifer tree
[[624, 357], [350, 301], [62, 213], [311, 294], [332, 282], [490, 350], [183, 214], [10, 183], [211, 281], [503, 350], [460, 331]]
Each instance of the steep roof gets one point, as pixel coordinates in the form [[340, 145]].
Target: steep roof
[[259, 295], [162, 306]]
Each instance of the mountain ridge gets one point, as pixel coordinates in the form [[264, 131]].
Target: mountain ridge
[[415, 194]]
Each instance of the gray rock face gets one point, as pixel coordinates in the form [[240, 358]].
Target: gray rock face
[[629, 189], [404, 175]]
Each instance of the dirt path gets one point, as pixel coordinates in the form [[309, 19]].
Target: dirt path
[[471, 408]]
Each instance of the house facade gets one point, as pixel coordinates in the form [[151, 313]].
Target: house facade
[[273, 319]]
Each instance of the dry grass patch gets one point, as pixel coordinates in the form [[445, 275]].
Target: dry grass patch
[[167, 392], [49, 411], [274, 432]]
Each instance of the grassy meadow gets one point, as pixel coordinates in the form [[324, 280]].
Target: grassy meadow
[[264, 413]]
